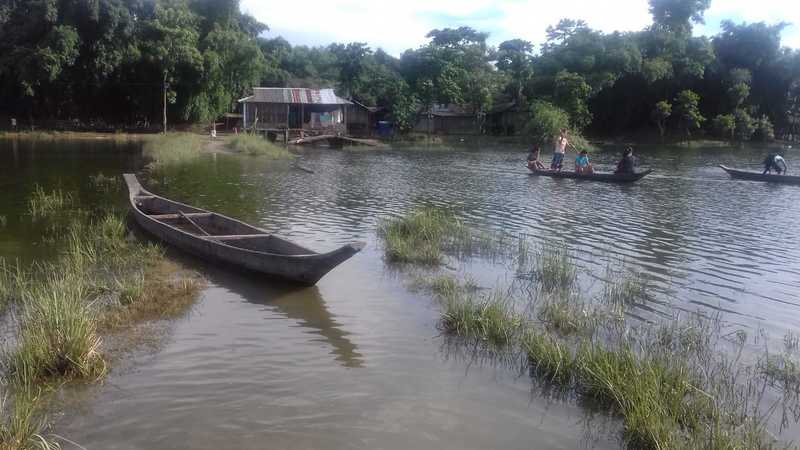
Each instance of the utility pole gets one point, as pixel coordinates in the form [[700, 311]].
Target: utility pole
[[164, 92]]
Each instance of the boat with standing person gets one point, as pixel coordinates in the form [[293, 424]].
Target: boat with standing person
[[222, 239], [760, 176]]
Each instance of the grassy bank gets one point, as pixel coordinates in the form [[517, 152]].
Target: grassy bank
[[46, 135], [256, 146], [102, 282], [676, 383]]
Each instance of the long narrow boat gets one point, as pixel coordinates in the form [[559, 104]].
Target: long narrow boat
[[222, 239], [597, 176], [758, 176]]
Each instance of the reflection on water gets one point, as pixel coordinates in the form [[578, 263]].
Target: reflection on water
[[356, 361], [301, 304]]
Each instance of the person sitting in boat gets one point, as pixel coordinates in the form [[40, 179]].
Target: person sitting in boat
[[625, 165], [582, 164], [775, 161], [534, 159]]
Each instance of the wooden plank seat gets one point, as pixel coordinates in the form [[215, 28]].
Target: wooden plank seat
[[178, 216], [235, 237]]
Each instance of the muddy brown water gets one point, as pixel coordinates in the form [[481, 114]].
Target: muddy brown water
[[357, 361]]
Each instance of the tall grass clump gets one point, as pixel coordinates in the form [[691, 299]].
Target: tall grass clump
[[420, 236], [490, 318], [13, 281], [22, 424], [625, 288], [555, 269], [104, 183], [57, 336], [565, 314], [43, 204], [254, 145], [172, 148], [424, 235]]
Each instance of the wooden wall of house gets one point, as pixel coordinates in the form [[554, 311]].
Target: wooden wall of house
[[270, 115], [359, 121]]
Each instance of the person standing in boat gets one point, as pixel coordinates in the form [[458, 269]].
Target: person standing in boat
[[625, 165], [775, 161], [534, 159], [560, 144]]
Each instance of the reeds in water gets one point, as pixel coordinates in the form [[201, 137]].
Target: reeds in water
[[172, 148], [43, 204], [256, 146]]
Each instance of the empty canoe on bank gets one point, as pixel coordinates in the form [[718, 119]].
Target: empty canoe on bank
[[758, 176], [219, 238], [597, 176]]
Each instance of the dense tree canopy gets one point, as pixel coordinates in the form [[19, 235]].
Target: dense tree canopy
[[110, 59]]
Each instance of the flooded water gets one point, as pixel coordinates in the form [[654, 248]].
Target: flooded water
[[357, 362]]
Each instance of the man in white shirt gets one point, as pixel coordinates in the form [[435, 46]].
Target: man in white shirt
[[560, 144], [775, 161]]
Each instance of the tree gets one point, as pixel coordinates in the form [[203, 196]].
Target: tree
[[515, 59], [724, 126], [544, 121], [745, 125], [350, 60], [170, 41], [660, 114], [570, 94], [687, 108], [677, 16]]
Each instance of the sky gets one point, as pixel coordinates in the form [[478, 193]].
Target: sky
[[398, 25]]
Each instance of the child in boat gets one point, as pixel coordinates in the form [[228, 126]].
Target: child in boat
[[534, 161], [625, 165], [582, 164]]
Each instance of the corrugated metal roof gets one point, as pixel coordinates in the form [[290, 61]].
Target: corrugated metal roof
[[295, 96]]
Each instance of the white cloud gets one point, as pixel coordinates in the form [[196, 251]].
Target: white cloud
[[399, 25]]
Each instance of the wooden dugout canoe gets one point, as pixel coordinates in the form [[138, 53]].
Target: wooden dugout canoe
[[219, 238], [758, 176], [597, 176]]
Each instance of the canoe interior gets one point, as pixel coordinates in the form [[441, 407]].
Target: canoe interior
[[220, 228]]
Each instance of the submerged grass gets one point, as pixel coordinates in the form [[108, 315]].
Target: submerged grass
[[256, 146], [555, 269], [487, 318], [669, 382], [43, 204], [426, 234]]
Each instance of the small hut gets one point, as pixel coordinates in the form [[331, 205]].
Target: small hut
[[295, 111], [448, 119]]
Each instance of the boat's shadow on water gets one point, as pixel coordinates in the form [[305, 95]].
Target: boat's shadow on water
[[303, 304]]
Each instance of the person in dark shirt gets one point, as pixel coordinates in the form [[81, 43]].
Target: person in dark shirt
[[625, 165], [534, 159]]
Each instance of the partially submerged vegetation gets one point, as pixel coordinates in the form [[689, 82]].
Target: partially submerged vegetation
[[427, 234], [102, 282], [675, 383], [172, 148], [43, 204], [254, 145]]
